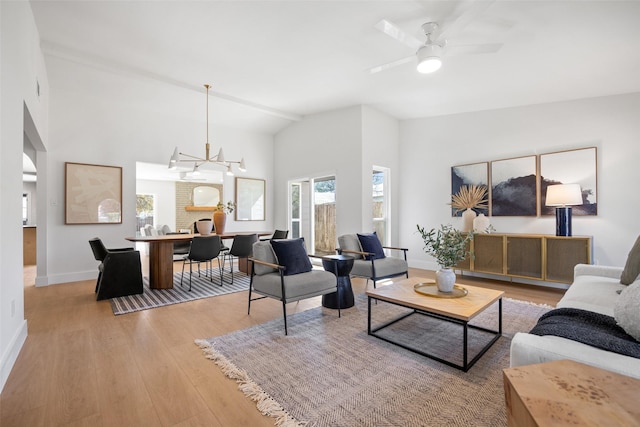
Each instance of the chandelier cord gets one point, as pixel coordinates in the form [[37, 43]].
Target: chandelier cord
[[207, 86]]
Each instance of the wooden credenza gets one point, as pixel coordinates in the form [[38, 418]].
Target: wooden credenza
[[529, 256]]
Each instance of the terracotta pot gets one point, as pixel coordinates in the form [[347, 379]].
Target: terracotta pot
[[219, 221]]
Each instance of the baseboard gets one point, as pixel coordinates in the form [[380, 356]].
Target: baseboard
[[54, 279], [11, 355]]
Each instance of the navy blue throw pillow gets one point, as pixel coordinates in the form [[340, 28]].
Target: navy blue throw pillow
[[371, 243], [292, 254]]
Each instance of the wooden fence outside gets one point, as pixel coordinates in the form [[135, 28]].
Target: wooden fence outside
[[325, 226]]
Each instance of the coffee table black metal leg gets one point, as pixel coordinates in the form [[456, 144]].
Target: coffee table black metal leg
[[368, 315], [500, 316], [465, 366]]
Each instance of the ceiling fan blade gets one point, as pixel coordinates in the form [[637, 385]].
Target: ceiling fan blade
[[388, 65], [392, 30], [470, 49], [464, 14]]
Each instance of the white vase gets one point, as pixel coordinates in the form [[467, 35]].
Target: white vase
[[204, 227], [445, 279], [467, 219], [480, 223]]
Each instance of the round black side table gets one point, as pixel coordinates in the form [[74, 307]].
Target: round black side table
[[341, 266]]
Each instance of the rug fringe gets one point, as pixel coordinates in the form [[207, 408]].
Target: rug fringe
[[265, 403], [529, 303]]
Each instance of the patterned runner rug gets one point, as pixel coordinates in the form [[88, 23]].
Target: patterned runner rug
[[201, 287], [329, 372]]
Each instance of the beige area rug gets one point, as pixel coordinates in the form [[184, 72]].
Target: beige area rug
[[329, 372]]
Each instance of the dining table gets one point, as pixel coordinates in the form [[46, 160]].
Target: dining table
[[161, 253]]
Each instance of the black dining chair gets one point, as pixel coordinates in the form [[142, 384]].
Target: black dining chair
[[203, 249], [278, 234], [242, 247], [119, 272]]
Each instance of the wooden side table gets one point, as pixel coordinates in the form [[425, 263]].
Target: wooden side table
[[568, 393]]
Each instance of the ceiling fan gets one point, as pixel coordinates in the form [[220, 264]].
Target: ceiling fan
[[429, 52]]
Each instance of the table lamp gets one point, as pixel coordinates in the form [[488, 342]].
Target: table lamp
[[563, 196]]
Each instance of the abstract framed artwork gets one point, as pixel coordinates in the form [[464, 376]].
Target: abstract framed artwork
[[514, 187], [92, 194], [470, 174], [577, 166]]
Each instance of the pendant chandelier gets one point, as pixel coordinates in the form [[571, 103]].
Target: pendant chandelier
[[179, 157]]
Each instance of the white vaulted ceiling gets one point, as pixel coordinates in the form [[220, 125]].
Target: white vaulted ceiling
[[285, 59]]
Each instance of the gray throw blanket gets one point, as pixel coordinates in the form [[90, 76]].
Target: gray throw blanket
[[587, 327]]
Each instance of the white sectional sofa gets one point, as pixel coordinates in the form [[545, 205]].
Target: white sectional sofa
[[594, 289]]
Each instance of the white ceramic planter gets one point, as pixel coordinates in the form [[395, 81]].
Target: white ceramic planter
[[445, 279], [204, 227]]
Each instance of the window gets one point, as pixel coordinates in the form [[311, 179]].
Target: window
[[380, 212], [144, 210], [295, 210]]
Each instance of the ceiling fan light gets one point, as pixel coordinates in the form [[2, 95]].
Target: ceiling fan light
[[429, 58]]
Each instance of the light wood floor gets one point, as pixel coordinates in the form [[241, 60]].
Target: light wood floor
[[83, 366]]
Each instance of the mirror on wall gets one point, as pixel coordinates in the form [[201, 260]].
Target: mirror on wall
[[250, 203], [205, 196]]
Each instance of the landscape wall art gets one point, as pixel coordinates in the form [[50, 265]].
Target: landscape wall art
[[571, 167], [475, 173], [514, 187]]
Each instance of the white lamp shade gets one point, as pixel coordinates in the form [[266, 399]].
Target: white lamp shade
[[564, 195], [429, 58], [173, 162]]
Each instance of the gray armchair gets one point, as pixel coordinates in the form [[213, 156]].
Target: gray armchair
[[374, 269], [269, 279]]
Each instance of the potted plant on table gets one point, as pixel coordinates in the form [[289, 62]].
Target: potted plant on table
[[448, 246], [220, 215]]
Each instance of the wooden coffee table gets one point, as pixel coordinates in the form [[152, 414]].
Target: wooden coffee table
[[455, 310]]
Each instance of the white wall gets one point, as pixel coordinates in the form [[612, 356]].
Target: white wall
[[102, 117], [323, 144], [22, 67], [430, 146], [380, 147]]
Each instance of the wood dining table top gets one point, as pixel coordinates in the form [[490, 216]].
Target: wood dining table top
[[180, 237]]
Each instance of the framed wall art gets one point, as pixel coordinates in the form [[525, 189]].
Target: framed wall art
[[514, 187], [571, 167], [93, 194], [250, 199], [470, 174]]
